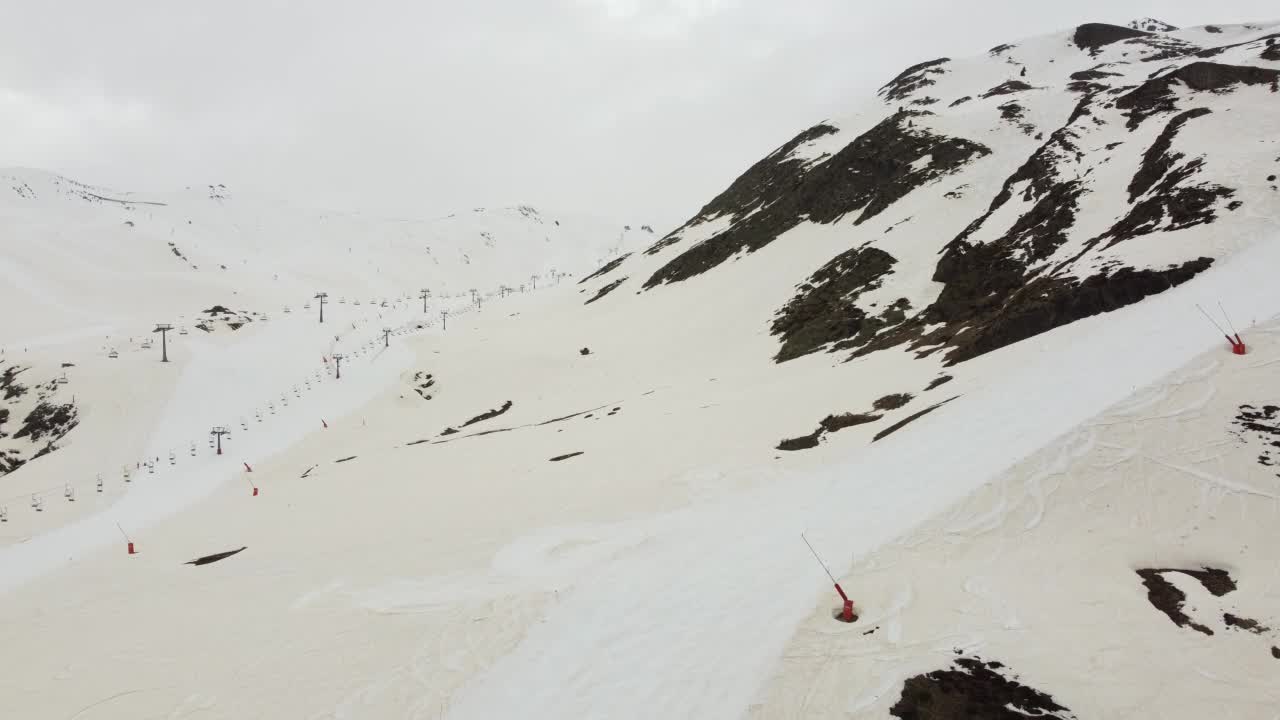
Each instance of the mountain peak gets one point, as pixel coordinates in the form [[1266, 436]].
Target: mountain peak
[[1151, 25]]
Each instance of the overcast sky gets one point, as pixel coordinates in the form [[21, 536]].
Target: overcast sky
[[638, 110]]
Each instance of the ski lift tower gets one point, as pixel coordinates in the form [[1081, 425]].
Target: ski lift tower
[[425, 295], [321, 297], [163, 329], [386, 336], [218, 431], [337, 362]]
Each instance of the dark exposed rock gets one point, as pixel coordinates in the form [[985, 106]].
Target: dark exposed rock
[[804, 442], [990, 297], [1093, 73], [909, 419], [424, 381], [1094, 36], [866, 176], [912, 79], [217, 310], [48, 420], [1168, 599], [1215, 580], [448, 431], [1158, 160], [9, 384], [1260, 426], [1156, 95], [558, 458], [1085, 88], [892, 402], [750, 191], [1047, 303], [1215, 51], [1015, 113], [349, 458], [488, 415], [1271, 52], [4, 418], [1243, 623], [10, 461], [1164, 47], [605, 290], [836, 423], [1006, 88], [1212, 29], [973, 690], [215, 557], [670, 239], [825, 310], [606, 268], [828, 424], [758, 184], [1152, 25], [1172, 205], [960, 100], [999, 49], [584, 351], [941, 379], [1275, 652]]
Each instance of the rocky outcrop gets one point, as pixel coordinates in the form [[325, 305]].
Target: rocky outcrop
[[759, 183], [973, 688], [1158, 160], [605, 290], [913, 78], [825, 311], [1157, 94], [865, 177], [1094, 36], [606, 268], [1006, 88]]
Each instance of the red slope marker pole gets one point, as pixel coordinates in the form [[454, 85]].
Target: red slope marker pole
[[1237, 345], [127, 540], [846, 612]]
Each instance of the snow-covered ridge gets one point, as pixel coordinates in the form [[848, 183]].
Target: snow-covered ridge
[[985, 200], [65, 245]]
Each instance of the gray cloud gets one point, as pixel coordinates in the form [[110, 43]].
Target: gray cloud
[[633, 109]]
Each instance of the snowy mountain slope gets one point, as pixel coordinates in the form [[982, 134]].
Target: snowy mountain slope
[[591, 515], [1169, 480], [985, 200], [87, 271], [90, 258]]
